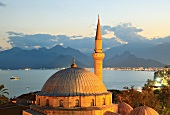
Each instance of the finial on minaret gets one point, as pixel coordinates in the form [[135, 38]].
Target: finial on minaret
[[73, 60], [73, 65]]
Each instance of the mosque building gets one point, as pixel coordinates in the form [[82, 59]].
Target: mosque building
[[77, 91]]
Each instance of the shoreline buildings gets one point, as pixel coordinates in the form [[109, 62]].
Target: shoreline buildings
[[161, 78]]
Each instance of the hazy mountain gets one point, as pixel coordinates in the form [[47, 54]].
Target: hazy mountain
[[131, 47], [64, 61], [159, 52], [16, 58], [129, 60], [59, 56]]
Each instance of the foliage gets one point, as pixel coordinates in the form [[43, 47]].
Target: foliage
[[164, 97], [168, 82], [3, 91], [3, 99], [136, 98], [156, 99]]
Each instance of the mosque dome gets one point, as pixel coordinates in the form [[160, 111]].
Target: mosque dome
[[124, 108], [73, 82], [143, 110]]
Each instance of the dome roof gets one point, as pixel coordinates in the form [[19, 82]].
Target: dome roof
[[124, 108], [143, 110], [73, 82], [110, 113]]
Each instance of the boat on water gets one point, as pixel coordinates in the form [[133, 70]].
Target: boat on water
[[15, 78], [27, 69]]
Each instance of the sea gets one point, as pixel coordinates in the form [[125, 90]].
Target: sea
[[33, 80]]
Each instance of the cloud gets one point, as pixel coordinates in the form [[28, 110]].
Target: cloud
[[121, 34], [84, 44], [2, 5], [37, 47], [125, 33], [10, 33], [31, 41]]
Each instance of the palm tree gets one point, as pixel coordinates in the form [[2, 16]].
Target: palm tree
[[3, 91]]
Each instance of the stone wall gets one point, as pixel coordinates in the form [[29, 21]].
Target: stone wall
[[70, 102]]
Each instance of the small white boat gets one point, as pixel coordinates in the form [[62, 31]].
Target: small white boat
[[15, 78], [27, 69]]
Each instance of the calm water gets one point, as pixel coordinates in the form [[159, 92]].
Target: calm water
[[33, 80]]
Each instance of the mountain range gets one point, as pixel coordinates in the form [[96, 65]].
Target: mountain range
[[58, 56], [128, 55], [160, 52]]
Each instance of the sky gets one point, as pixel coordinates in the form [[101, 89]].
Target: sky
[[45, 23]]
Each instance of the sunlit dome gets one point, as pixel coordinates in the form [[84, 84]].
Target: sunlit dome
[[143, 110], [73, 82], [124, 108]]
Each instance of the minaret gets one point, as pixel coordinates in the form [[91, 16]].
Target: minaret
[[98, 55]]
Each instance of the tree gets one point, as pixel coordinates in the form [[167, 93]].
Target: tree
[[136, 98], [164, 97], [3, 91]]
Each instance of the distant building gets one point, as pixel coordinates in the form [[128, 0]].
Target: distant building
[[12, 109], [162, 77], [26, 99]]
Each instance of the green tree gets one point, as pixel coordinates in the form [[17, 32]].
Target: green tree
[[136, 98], [164, 97], [168, 82], [3, 91]]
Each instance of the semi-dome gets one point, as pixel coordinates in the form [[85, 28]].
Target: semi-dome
[[73, 82], [143, 110]]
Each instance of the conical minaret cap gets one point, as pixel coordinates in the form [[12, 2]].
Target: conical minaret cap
[[98, 31]]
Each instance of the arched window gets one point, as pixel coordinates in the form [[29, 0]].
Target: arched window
[[61, 103], [38, 102], [92, 102], [103, 101], [47, 102], [77, 103]]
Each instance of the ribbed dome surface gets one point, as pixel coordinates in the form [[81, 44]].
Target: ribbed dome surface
[[143, 110], [124, 108], [73, 82]]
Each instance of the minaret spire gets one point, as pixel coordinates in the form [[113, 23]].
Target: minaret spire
[[98, 38], [98, 55], [98, 31]]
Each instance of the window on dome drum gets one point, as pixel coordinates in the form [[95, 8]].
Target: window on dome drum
[[103, 101], [77, 103], [61, 103], [92, 103], [47, 102]]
